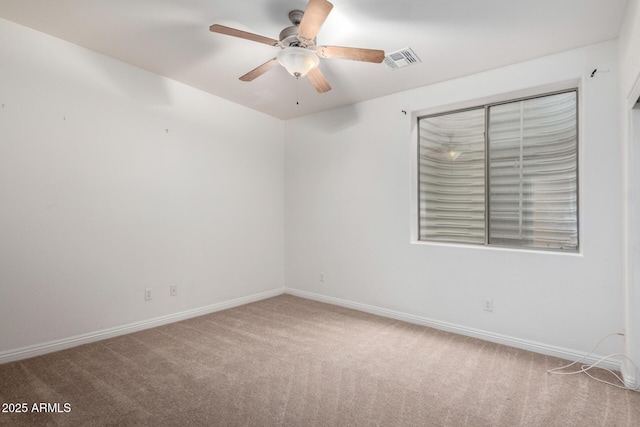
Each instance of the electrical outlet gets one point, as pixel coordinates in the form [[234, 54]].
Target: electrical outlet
[[147, 294], [173, 290], [488, 304]]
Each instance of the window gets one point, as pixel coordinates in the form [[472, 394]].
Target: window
[[501, 174]]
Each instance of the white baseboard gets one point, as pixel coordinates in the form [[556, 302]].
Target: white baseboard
[[630, 375], [523, 344], [51, 346]]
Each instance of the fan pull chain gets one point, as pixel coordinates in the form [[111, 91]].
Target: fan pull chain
[[297, 90]]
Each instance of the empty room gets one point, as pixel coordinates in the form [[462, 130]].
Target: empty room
[[314, 213]]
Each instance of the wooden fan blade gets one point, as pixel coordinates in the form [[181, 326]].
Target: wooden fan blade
[[215, 28], [313, 18], [318, 80], [352, 53], [260, 70]]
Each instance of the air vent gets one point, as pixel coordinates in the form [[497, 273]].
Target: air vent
[[401, 58]]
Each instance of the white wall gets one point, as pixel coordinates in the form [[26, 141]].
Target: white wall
[[630, 92], [113, 179], [348, 210], [629, 42]]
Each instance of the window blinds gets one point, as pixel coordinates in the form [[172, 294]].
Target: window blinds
[[531, 163], [533, 172], [452, 178]]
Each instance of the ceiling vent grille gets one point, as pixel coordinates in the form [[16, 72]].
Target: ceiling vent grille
[[401, 58]]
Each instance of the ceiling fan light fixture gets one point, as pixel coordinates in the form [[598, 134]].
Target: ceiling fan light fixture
[[297, 60]]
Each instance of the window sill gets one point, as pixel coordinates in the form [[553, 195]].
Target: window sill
[[497, 248]]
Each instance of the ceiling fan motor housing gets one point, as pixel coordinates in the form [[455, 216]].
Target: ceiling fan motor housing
[[289, 36]]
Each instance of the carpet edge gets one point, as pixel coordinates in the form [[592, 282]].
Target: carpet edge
[[13, 355], [523, 344]]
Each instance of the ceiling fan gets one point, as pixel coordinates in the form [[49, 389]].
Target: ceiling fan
[[299, 54]]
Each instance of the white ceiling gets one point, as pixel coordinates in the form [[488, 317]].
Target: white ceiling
[[452, 38]]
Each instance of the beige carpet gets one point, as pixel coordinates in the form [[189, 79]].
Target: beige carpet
[[290, 361]]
